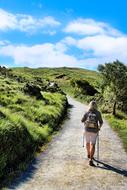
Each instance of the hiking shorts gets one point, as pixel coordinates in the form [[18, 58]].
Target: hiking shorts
[[91, 137]]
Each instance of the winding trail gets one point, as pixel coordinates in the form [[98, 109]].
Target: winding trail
[[64, 165]]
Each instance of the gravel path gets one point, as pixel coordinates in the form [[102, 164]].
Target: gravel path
[[64, 165]]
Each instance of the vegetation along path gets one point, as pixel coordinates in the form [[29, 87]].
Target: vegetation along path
[[64, 165]]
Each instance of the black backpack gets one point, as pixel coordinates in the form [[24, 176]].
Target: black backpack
[[91, 121]]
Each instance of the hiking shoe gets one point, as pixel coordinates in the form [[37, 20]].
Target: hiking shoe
[[91, 163]]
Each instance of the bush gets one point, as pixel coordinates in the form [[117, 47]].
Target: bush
[[33, 90]]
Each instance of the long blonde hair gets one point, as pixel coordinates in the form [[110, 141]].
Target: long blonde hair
[[93, 105]]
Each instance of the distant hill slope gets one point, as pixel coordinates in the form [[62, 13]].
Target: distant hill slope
[[63, 76], [53, 73]]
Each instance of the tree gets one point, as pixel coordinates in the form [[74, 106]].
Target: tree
[[115, 76]]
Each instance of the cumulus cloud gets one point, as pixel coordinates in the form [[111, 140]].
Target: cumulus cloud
[[99, 41], [69, 41], [8, 20], [100, 47], [26, 23], [41, 55], [56, 55], [105, 46], [47, 55], [90, 27]]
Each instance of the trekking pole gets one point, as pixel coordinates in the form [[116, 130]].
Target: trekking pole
[[98, 149], [83, 138]]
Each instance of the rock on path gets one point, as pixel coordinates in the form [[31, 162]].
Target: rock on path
[[64, 164]]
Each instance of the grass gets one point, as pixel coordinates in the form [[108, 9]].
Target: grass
[[26, 124], [119, 124]]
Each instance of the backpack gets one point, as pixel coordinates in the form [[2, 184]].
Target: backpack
[[91, 121]]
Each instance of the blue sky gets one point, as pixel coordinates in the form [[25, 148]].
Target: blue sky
[[54, 33]]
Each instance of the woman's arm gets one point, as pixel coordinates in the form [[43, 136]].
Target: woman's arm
[[84, 118]]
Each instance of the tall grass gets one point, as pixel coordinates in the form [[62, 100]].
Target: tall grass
[[119, 124], [25, 124]]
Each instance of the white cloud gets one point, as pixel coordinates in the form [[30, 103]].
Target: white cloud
[[26, 23], [43, 55], [99, 49], [69, 41], [102, 49], [8, 20], [90, 27], [105, 46], [47, 55], [100, 42]]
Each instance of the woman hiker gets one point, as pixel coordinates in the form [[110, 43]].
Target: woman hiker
[[93, 122]]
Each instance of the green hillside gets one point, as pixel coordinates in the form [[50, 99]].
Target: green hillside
[[30, 111], [56, 73], [64, 77]]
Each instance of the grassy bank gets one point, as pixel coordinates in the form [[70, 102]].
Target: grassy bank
[[119, 124], [26, 123]]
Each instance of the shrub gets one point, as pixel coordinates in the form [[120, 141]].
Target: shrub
[[33, 90]]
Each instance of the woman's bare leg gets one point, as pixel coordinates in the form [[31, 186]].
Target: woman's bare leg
[[92, 151], [88, 148]]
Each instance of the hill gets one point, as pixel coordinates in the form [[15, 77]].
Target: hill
[[66, 78]]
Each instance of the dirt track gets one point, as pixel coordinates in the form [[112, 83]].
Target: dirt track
[[64, 165]]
